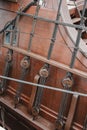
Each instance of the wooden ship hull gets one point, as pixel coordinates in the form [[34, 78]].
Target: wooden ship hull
[[38, 51]]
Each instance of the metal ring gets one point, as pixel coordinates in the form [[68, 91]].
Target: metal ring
[[67, 82], [43, 72], [25, 63]]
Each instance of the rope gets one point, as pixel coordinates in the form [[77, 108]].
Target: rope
[[44, 86]]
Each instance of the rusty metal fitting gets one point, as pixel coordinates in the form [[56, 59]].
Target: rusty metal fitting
[[9, 57], [16, 101], [35, 112], [36, 78], [67, 82], [59, 125], [25, 63], [44, 72], [2, 91]]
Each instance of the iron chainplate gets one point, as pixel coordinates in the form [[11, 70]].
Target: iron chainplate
[[67, 82], [35, 112], [59, 125], [25, 63], [43, 72]]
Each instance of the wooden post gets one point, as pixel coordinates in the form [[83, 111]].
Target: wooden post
[[71, 112]]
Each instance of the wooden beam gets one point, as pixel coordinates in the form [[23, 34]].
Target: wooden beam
[[51, 62], [33, 94]]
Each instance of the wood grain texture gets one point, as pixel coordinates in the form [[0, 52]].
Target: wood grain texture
[[60, 60]]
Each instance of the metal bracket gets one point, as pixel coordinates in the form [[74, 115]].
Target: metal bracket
[[43, 74], [25, 63], [68, 82], [8, 66], [32, 97]]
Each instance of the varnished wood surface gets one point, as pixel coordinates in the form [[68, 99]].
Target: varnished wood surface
[[51, 62], [40, 124], [71, 112], [61, 53]]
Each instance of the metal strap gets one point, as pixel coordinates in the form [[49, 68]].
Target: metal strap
[[59, 122], [3, 116], [62, 106], [69, 75], [33, 25], [8, 66], [42, 80], [43, 74], [39, 92], [78, 37], [9, 55], [54, 31], [25, 67]]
